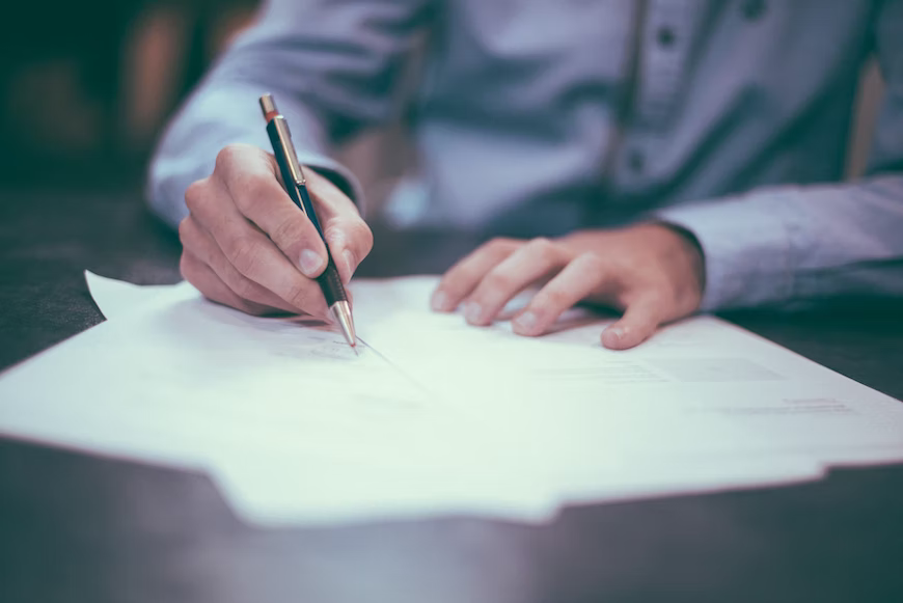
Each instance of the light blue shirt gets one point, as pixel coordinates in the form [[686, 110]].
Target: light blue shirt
[[536, 117]]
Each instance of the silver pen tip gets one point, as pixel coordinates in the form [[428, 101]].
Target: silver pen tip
[[343, 315]]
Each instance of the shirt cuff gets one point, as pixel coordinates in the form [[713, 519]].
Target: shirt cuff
[[747, 251]]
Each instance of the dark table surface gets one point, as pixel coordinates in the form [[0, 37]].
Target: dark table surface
[[76, 527]]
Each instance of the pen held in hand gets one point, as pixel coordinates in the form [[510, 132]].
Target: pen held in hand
[[294, 181]]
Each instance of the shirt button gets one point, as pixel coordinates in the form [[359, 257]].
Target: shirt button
[[636, 161], [665, 37], [753, 9]]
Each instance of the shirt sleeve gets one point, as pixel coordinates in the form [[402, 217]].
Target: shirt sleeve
[[331, 67], [787, 244]]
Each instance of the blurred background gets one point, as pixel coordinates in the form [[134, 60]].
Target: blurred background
[[86, 88]]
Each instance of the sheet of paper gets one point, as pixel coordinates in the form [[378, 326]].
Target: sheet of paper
[[437, 417], [680, 356], [185, 382], [698, 391], [116, 298], [256, 485], [729, 390]]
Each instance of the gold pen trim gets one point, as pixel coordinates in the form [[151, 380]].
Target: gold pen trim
[[268, 106]]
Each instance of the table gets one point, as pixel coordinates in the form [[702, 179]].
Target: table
[[77, 527]]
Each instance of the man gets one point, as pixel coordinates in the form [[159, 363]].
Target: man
[[661, 157]]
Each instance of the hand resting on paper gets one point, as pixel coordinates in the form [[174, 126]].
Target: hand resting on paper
[[651, 272]]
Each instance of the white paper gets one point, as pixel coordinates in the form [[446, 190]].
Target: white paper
[[702, 405], [437, 417], [185, 382], [116, 298], [729, 390]]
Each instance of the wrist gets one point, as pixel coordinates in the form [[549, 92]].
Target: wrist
[[684, 244]]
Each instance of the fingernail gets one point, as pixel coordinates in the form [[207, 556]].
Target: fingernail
[[310, 262], [614, 334], [349, 262], [525, 323], [438, 301], [472, 312]]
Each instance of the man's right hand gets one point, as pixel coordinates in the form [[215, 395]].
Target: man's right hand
[[247, 245]]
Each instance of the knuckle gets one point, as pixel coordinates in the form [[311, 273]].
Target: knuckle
[[228, 157], [498, 281], [543, 247], [243, 288], [334, 232], [499, 244], [288, 232], [195, 194], [245, 255], [592, 262], [362, 234], [252, 190], [298, 295], [353, 235], [541, 243], [335, 237], [554, 298], [625, 264], [185, 232]]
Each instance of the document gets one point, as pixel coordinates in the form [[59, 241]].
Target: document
[[434, 416], [184, 382], [115, 298]]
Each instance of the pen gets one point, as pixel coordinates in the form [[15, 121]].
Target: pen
[[293, 177]]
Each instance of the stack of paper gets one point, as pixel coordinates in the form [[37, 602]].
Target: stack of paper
[[435, 417]]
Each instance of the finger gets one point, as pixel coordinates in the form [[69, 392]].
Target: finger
[[349, 238], [202, 246], [531, 262], [249, 250], [584, 275], [460, 280], [640, 319], [206, 281], [250, 177]]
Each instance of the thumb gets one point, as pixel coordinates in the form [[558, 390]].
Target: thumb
[[639, 321]]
